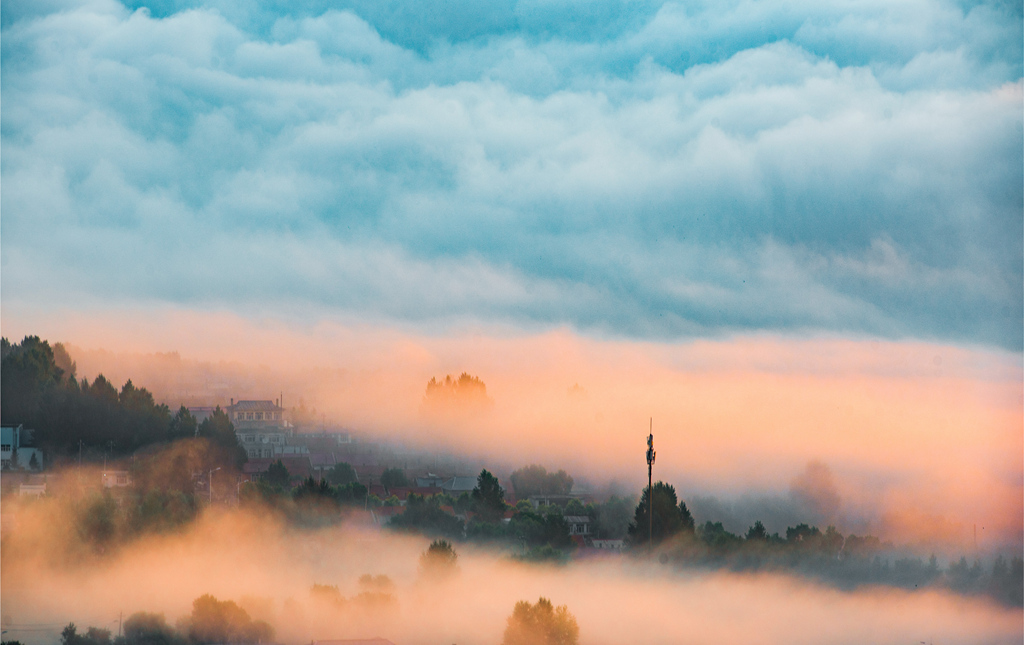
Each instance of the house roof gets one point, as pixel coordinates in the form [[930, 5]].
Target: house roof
[[577, 519], [458, 485], [322, 459], [255, 406], [298, 466]]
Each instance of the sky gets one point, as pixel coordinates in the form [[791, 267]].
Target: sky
[[790, 231], [631, 169]]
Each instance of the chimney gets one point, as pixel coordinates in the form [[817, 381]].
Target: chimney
[[232, 401]]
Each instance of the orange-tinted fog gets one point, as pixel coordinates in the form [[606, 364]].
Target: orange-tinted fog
[[924, 441], [269, 570]]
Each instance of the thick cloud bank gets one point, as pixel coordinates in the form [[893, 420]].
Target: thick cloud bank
[[645, 169]]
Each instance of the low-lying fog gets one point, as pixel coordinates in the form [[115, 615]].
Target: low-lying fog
[[269, 570]]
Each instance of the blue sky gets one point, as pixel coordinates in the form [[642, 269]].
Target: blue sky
[[646, 170]]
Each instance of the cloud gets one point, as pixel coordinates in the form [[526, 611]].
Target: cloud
[[269, 569], [802, 168]]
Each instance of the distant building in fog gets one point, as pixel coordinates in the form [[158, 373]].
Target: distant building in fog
[[261, 426]]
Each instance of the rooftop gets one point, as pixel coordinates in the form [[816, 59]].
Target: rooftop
[[255, 406]]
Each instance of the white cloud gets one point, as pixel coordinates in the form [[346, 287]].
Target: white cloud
[[521, 177]]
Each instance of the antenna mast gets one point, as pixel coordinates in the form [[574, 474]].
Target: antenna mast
[[650, 490]]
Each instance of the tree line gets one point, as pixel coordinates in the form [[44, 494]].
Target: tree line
[[71, 417]]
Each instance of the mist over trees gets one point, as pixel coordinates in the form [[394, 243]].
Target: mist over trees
[[670, 516], [211, 622], [541, 624], [467, 393], [439, 561], [536, 480]]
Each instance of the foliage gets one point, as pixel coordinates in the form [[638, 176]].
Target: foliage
[[439, 560], [670, 517], [143, 628], [341, 474], [277, 474], [757, 532], [611, 518], [465, 390], [544, 554], [488, 497], [311, 490], [394, 478], [216, 621], [424, 515], [93, 636], [39, 389], [536, 480], [537, 529], [97, 521], [715, 536], [541, 624]]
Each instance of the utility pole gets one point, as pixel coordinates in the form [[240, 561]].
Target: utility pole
[[210, 477], [650, 490]]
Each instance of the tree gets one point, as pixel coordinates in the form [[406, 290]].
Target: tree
[[536, 480], [142, 628], [541, 624], [757, 532], [394, 478], [466, 389], [426, 516], [341, 474], [221, 432], [670, 517], [488, 497], [611, 521], [183, 425], [277, 474], [439, 560], [215, 621]]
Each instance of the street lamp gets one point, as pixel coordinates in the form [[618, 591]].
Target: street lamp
[[210, 479], [650, 490]]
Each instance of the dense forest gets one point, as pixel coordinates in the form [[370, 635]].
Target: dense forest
[[71, 417]]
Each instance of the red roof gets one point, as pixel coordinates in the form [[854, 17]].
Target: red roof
[[298, 466]]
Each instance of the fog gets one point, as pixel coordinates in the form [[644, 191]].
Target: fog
[[269, 568], [923, 441]]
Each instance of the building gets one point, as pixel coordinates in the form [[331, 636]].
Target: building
[[608, 545], [458, 485], [257, 415], [430, 479], [16, 451], [578, 525], [261, 426], [116, 479]]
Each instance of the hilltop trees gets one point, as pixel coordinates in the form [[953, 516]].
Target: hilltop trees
[[670, 516], [541, 624], [465, 394], [38, 388], [536, 480]]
